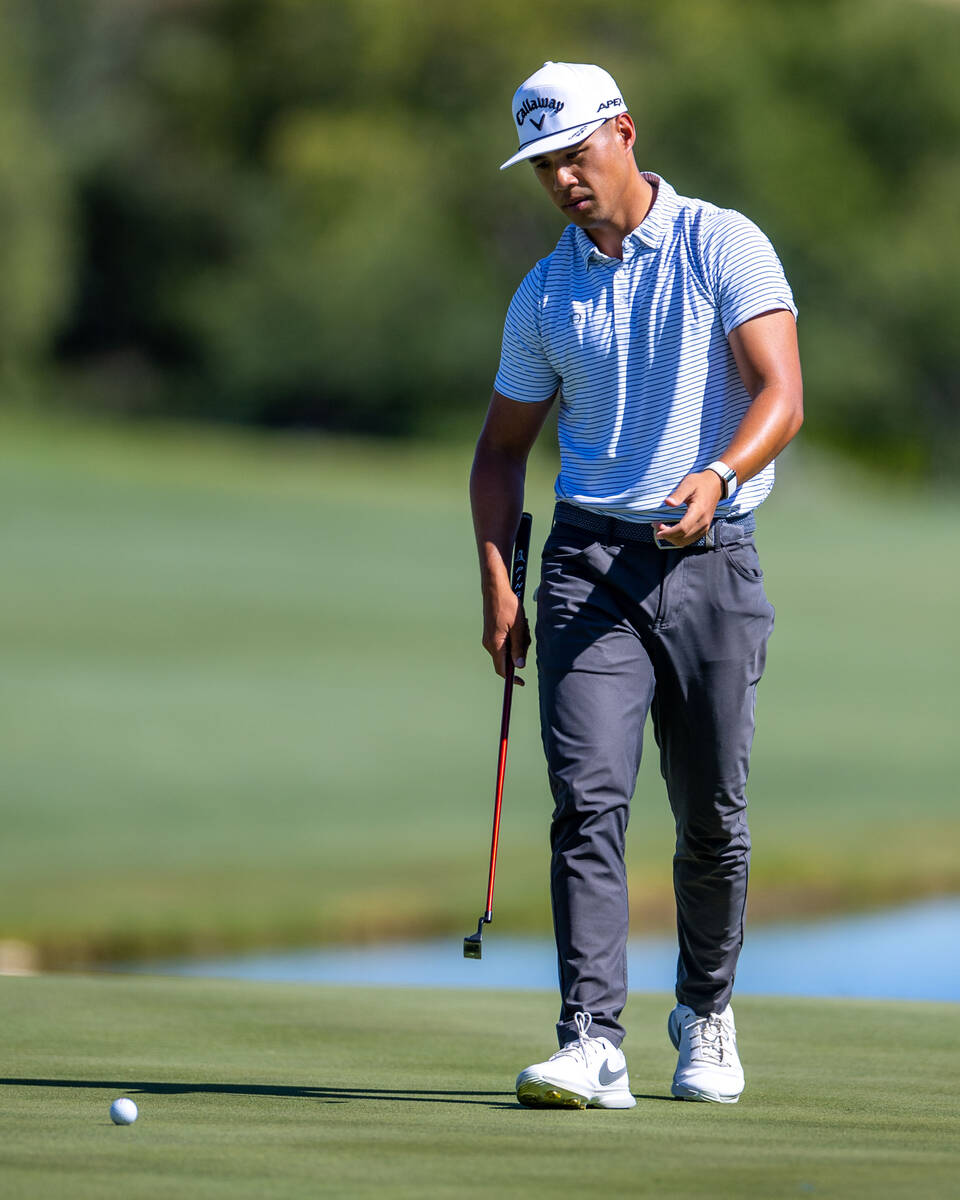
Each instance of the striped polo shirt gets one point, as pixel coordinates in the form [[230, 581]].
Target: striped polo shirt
[[649, 389]]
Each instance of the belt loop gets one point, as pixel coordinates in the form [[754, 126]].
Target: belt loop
[[711, 538]]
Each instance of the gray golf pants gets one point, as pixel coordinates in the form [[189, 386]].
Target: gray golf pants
[[623, 629]]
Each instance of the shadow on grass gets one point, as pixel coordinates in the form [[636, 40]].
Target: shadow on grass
[[328, 1094]]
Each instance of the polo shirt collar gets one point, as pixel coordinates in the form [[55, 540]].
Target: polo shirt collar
[[651, 230]]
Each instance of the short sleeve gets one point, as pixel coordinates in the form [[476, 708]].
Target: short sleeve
[[742, 269], [524, 373]]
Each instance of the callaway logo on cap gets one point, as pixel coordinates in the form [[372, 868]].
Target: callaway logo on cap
[[560, 105]]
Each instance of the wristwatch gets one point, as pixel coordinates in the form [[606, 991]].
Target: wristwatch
[[728, 478]]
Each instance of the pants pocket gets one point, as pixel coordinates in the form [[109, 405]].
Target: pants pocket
[[743, 557]]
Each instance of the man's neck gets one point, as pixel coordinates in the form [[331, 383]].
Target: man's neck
[[608, 236]]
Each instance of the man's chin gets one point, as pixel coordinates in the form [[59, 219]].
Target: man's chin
[[580, 209], [585, 218]]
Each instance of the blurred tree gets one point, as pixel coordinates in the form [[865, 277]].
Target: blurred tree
[[35, 246], [290, 213]]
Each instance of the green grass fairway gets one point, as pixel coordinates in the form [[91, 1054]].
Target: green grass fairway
[[288, 1091], [244, 701]]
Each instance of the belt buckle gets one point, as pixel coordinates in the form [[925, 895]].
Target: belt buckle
[[709, 539], [656, 541]]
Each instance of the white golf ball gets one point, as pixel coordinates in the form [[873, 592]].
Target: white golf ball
[[123, 1111]]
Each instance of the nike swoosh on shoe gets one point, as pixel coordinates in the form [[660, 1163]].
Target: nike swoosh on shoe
[[606, 1076]]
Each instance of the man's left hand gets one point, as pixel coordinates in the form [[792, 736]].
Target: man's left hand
[[700, 492]]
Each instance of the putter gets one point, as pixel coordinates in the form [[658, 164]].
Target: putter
[[472, 943]]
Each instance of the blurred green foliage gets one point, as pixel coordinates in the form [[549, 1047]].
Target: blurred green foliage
[[289, 211], [34, 255]]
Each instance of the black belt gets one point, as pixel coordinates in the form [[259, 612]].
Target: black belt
[[612, 529]]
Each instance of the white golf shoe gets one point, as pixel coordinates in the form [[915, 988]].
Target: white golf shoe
[[588, 1073], [709, 1066]]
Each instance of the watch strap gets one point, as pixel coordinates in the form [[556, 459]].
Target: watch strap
[[728, 477]]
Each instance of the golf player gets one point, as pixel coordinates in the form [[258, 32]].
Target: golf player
[[664, 332]]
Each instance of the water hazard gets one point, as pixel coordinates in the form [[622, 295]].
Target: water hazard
[[907, 953]]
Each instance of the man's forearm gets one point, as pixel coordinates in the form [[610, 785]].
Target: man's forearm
[[496, 497], [768, 425], [767, 357]]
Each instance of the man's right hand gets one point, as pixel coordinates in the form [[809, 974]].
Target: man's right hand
[[505, 630]]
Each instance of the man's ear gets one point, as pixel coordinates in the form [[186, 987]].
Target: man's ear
[[626, 131]]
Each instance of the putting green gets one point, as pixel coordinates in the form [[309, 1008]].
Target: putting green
[[288, 1091]]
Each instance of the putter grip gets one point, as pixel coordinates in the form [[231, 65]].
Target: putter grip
[[521, 552]]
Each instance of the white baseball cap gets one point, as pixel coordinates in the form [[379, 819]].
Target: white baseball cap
[[560, 105]]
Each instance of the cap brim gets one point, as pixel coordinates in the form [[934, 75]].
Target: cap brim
[[554, 141]]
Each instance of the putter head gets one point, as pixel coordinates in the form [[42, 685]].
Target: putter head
[[472, 947]]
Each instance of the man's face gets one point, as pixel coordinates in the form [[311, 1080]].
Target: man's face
[[587, 182]]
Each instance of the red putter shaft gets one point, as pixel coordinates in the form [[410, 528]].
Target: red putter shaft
[[518, 580], [501, 770]]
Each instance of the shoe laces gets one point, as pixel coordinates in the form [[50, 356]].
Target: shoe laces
[[708, 1038], [581, 1047]]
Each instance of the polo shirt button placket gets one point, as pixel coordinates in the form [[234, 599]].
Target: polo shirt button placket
[[621, 296]]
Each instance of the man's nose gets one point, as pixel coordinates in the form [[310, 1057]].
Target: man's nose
[[563, 179]]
